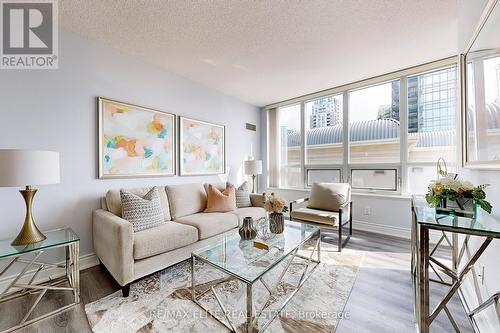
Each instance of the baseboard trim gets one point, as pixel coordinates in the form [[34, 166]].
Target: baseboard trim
[[382, 229], [387, 230], [86, 261]]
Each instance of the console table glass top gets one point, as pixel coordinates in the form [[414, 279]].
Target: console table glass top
[[55, 238], [242, 259], [483, 223]]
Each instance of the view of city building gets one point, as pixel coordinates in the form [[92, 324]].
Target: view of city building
[[431, 103], [326, 112]]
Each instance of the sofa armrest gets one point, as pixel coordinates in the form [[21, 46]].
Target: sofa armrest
[[257, 200], [114, 244]]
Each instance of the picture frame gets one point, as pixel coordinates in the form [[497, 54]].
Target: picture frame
[[135, 141], [202, 147]]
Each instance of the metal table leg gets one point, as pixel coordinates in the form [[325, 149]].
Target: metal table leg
[[424, 280]]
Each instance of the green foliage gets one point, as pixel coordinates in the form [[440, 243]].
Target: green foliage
[[439, 191]]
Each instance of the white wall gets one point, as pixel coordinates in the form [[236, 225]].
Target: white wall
[[55, 110]]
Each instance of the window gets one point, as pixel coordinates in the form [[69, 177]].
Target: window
[[374, 124], [323, 127], [310, 133], [374, 179], [289, 146], [432, 116], [316, 175], [483, 108]]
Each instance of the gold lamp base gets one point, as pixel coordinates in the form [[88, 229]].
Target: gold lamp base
[[29, 234]]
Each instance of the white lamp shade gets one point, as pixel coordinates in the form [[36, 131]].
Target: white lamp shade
[[28, 167], [253, 167]]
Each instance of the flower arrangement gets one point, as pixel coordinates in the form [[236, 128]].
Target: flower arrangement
[[455, 190], [273, 204]]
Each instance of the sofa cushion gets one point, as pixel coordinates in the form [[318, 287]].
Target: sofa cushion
[[221, 186], [221, 202], [253, 212], [210, 224], [143, 212], [114, 201], [317, 216], [329, 196], [186, 199], [167, 237]]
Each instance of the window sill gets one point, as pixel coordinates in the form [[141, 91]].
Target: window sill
[[397, 196]]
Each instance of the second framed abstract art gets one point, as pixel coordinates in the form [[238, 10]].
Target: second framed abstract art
[[201, 147]]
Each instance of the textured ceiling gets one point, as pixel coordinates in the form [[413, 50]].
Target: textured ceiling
[[265, 51]]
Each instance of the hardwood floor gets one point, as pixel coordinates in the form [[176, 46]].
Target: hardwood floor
[[381, 299]]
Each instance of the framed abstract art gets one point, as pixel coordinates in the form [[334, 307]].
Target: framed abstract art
[[135, 141], [202, 148]]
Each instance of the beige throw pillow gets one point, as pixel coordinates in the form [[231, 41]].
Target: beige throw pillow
[[143, 212], [222, 202], [329, 196]]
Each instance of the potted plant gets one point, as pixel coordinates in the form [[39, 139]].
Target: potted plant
[[444, 191], [276, 207]]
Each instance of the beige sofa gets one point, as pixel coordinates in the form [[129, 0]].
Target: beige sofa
[[129, 256]]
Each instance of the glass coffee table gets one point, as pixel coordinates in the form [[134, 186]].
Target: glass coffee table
[[250, 263]]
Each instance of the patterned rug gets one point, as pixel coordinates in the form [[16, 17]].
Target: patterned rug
[[162, 302]]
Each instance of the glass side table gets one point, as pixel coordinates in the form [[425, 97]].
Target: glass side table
[[25, 281], [426, 218]]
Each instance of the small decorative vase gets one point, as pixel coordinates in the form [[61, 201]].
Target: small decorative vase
[[247, 230], [276, 223]]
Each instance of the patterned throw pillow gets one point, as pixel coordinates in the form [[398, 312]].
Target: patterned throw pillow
[[243, 196], [143, 213]]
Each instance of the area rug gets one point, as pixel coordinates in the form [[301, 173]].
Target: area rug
[[162, 302]]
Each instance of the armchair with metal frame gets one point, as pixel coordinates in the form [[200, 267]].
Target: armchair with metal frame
[[330, 219]]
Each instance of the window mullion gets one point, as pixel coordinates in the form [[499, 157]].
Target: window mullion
[[303, 142], [345, 137], [403, 134]]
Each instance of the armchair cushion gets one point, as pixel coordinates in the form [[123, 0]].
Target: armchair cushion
[[317, 216], [329, 196]]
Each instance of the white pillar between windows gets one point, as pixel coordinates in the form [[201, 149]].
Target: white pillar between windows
[[403, 133], [346, 176]]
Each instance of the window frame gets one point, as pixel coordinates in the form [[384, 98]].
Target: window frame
[[346, 166], [374, 189], [327, 167]]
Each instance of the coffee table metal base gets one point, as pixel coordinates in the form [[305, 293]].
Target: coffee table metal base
[[252, 316]]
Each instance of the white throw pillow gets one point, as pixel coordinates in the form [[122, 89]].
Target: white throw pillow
[[329, 196], [143, 212], [242, 195]]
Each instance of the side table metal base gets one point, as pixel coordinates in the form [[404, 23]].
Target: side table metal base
[[24, 283]]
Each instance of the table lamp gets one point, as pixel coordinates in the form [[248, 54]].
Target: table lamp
[[253, 168], [28, 168]]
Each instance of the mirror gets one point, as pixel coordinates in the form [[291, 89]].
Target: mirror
[[481, 104]]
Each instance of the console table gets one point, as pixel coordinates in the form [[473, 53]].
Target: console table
[[29, 258], [426, 218]]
